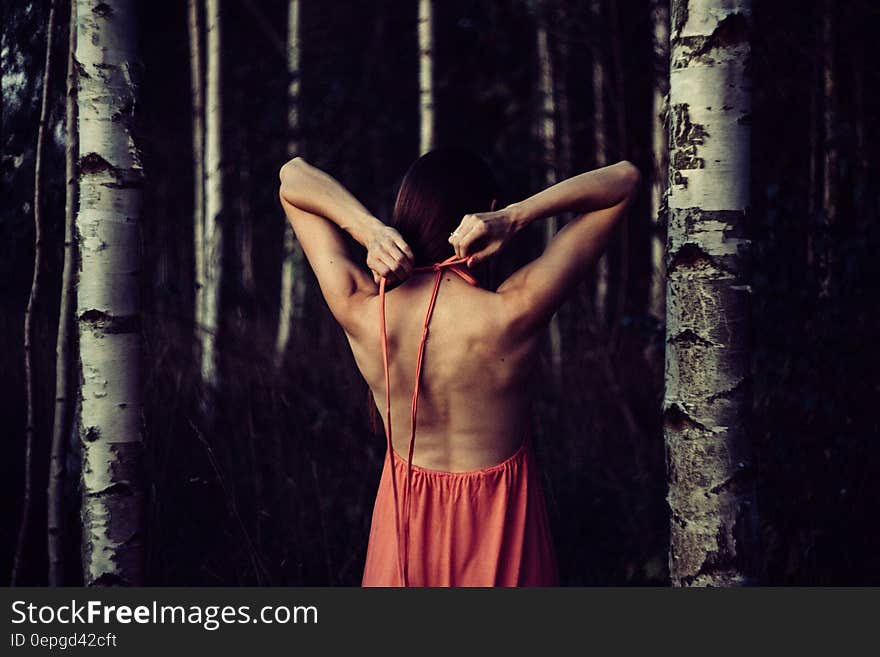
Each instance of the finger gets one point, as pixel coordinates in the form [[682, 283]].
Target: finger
[[404, 247], [453, 240], [480, 256], [397, 263], [400, 258], [456, 236], [456, 232], [380, 268], [468, 241], [389, 267]]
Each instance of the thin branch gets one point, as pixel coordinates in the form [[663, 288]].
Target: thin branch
[[29, 364], [63, 382]]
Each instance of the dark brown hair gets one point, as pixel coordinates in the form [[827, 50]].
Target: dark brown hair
[[440, 188]]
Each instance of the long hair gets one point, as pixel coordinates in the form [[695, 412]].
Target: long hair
[[440, 188]]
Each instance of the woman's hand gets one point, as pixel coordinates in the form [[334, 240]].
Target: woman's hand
[[483, 234], [389, 255]]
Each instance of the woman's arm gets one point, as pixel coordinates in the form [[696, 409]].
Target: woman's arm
[[533, 293], [483, 234], [308, 188], [317, 207]]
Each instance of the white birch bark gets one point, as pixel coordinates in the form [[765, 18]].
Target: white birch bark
[[108, 306], [197, 86], [547, 131], [708, 456], [601, 146], [63, 351], [293, 284], [426, 76], [213, 234], [660, 173]]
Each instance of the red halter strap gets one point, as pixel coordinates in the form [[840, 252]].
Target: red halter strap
[[452, 264]]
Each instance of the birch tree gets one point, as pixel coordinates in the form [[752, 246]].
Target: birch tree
[[709, 464], [64, 385], [660, 172], [30, 365], [197, 90], [829, 143], [213, 233], [293, 285], [426, 76], [600, 146], [108, 314], [547, 132]]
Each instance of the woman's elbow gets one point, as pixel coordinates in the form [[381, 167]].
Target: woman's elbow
[[291, 169], [632, 175]]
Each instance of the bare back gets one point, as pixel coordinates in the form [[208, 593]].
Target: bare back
[[474, 399]]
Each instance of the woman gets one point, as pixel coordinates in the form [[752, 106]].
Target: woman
[[462, 506]]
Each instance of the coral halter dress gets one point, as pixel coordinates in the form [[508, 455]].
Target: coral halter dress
[[485, 527]]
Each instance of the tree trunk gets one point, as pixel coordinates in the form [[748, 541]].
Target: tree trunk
[[246, 224], [829, 143], [108, 306], [660, 172], [547, 131], [30, 364], [213, 195], [563, 111], [426, 76], [619, 104], [63, 380], [194, 21], [710, 471], [601, 149], [293, 284]]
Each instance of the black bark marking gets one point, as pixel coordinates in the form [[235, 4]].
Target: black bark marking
[[117, 488], [124, 113], [110, 579], [677, 420], [690, 337], [124, 178], [111, 323], [94, 316], [92, 434], [691, 221], [103, 10], [80, 70], [733, 29], [679, 16], [686, 136], [94, 163], [692, 256], [740, 387]]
